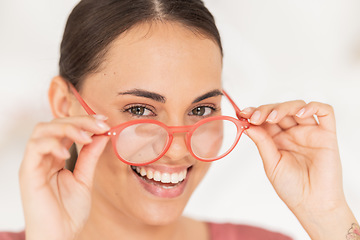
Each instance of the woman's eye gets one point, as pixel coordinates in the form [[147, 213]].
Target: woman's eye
[[140, 111], [202, 111]]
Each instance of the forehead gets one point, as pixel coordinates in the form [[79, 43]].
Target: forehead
[[162, 56]]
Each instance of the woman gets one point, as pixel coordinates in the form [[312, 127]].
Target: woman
[[140, 61]]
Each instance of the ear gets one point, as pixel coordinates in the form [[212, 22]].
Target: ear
[[59, 97]]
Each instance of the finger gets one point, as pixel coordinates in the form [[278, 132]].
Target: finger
[[247, 112], [44, 146], [267, 148], [72, 126], [91, 123], [60, 131], [37, 149], [272, 129], [87, 160], [306, 121], [258, 115], [284, 114], [282, 110], [287, 122], [324, 113]]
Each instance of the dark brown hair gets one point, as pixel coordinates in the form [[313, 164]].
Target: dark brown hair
[[94, 24]]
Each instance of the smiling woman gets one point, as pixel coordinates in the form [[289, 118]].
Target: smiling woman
[[147, 75]]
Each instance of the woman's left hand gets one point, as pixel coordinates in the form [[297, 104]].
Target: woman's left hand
[[301, 159]]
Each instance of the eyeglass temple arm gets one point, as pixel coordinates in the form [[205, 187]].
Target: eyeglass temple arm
[[82, 102], [237, 109]]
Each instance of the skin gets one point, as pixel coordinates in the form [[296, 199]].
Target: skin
[[101, 199]]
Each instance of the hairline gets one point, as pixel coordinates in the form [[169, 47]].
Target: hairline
[[98, 65]]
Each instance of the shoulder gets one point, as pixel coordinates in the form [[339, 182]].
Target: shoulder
[[12, 236], [228, 231]]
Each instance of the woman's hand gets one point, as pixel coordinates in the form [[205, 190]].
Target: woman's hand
[[56, 201], [301, 160]]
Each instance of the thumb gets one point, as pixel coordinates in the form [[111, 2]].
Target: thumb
[[88, 158], [265, 144]]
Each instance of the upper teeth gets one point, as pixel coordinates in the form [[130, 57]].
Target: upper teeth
[[161, 177]]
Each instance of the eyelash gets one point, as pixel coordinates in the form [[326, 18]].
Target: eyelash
[[128, 109], [146, 107], [213, 108]]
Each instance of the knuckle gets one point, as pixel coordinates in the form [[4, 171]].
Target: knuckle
[[319, 105], [330, 108], [294, 104], [265, 108], [300, 102], [32, 143], [39, 126], [67, 128], [313, 104], [56, 120]]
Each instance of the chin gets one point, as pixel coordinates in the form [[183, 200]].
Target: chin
[[149, 195], [163, 215], [158, 204]]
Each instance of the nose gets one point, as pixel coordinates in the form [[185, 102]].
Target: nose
[[178, 149]]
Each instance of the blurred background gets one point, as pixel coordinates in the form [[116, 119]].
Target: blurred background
[[275, 51]]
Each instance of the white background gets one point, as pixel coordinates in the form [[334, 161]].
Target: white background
[[274, 51]]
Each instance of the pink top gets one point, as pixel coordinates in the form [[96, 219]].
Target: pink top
[[218, 231], [12, 236], [228, 231]]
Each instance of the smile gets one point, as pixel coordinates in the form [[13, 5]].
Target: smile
[[158, 176], [162, 183]]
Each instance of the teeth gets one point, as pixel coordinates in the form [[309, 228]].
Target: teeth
[[149, 174], [142, 172], [174, 178], [157, 176], [161, 177], [165, 178]]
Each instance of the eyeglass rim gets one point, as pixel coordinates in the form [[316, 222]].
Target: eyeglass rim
[[241, 125], [189, 129]]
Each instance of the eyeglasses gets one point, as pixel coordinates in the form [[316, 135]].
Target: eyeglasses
[[144, 141]]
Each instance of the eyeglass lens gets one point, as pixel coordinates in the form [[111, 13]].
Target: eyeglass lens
[[213, 139], [144, 142]]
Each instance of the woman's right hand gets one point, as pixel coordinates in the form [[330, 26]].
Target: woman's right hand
[[57, 201]]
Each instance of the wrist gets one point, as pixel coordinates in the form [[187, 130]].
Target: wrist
[[332, 224]]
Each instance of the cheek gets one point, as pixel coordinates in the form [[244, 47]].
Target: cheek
[[199, 171], [110, 175]]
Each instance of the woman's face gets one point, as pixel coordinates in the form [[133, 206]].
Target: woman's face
[[153, 72]]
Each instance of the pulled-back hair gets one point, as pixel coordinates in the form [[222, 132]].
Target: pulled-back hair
[[94, 24]]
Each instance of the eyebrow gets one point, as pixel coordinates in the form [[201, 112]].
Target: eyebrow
[[210, 94], [146, 94], [160, 98]]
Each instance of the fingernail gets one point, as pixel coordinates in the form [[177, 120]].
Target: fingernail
[[85, 136], [301, 112], [100, 117], [255, 117], [246, 111], [272, 116], [102, 125]]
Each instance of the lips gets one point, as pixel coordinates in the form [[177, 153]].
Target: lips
[[157, 176], [162, 181]]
